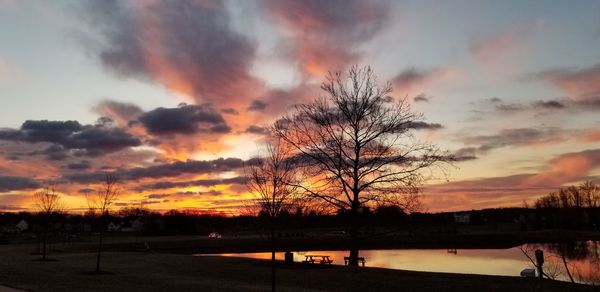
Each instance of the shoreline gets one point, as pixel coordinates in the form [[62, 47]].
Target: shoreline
[[203, 245], [175, 272]]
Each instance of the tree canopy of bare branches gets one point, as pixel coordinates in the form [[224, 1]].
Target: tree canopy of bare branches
[[47, 201], [272, 178], [586, 195], [357, 146], [103, 199]]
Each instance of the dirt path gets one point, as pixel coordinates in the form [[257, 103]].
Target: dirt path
[[8, 289]]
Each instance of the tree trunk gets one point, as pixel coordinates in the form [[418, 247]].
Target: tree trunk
[[353, 257], [99, 252], [44, 240], [273, 254]]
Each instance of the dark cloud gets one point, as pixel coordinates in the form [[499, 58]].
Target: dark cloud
[[550, 104], [536, 106], [187, 46], [53, 152], [84, 164], [167, 170], [195, 183], [123, 111], [422, 98], [425, 126], [414, 78], [66, 136], [590, 103], [158, 196], [12, 208], [510, 107], [211, 193], [230, 111], [11, 183], [258, 130], [508, 138], [86, 191], [409, 77], [185, 119], [257, 105]]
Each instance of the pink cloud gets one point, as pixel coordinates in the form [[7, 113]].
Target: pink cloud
[[500, 53], [4, 69], [324, 33], [583, 83], [512, 190], [566, 168]]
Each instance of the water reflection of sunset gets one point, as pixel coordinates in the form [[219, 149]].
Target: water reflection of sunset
[[503, 262]]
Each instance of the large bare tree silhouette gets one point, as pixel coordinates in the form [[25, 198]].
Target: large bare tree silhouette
[[357, 146]]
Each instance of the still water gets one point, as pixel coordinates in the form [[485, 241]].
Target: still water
[[582, 260]]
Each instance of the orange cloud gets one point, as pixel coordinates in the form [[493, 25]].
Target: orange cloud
[[325, 33], [590, 136], [512, 190], [566, 168]]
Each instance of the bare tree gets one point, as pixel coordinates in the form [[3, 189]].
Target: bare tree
[[47, 201], [273, 182], [358, 146], [100, 203]]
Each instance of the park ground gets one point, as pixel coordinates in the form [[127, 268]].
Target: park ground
[[153, 271]]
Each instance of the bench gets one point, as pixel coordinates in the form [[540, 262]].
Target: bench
[[321, 259], [360, 260]]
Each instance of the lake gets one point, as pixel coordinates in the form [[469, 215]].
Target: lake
[[582, 259]]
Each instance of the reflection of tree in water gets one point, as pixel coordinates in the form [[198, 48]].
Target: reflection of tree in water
[[577, 261]]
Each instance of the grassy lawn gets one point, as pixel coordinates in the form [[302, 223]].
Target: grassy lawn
[[130, 271]]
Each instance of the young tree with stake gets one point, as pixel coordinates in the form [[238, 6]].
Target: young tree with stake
[[272, 180], [47, 201], [101, 203]]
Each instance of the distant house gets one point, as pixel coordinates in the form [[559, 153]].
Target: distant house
[[134, 226], [22, 225], [9, 229], [464, 218], [114, 227]]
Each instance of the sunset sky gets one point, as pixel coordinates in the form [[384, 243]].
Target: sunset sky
[[174, 96]]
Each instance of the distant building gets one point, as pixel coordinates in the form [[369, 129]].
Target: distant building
[[464, 218], [22, 225], [134, 226], [114, 227]]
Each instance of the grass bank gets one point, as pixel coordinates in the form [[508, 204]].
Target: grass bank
[[130, 271]]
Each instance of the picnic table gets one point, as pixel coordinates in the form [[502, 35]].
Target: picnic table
[[321, 259]]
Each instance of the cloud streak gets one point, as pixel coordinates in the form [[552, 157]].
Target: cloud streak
[[325, 33], [70, 137], [188, 47]]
